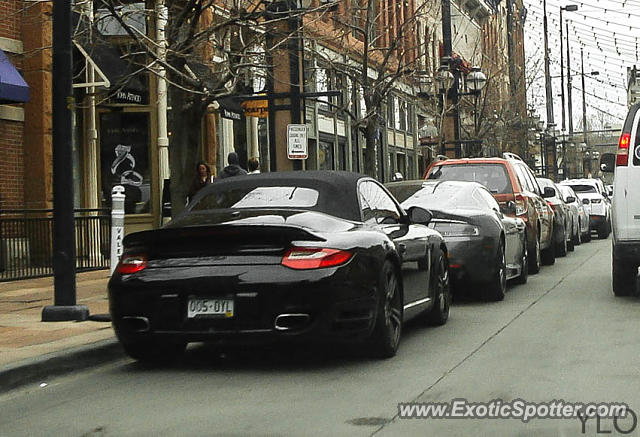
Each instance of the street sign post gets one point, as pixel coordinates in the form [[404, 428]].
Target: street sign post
[[297, 146]]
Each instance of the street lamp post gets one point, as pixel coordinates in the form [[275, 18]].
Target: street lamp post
[[568, 8], [476, 81]]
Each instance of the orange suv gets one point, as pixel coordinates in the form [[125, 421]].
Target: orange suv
[[514, 186]]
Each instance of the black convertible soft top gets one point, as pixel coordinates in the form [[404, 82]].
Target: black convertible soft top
[[337, 189]]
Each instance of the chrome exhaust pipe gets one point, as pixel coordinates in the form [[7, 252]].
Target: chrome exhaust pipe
[[137, 324], [288, 322]]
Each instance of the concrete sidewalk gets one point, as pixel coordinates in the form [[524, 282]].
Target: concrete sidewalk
[[30, 348]]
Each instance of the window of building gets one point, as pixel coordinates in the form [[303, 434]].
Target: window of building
[[325, 155], [390, 111], [125, 159]]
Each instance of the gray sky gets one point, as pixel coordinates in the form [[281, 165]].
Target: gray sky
[[609, 33]]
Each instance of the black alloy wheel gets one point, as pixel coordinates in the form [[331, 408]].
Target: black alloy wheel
[[385, 337], [439, 313], [498, 285]]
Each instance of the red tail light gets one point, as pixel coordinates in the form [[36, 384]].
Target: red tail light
[[553, 207], [303, 258], [622, 156], [131, 264]]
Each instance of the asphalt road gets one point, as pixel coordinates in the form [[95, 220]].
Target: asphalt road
[[561, 336]]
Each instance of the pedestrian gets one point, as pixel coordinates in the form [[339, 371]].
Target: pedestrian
[[201, 179], [253, 165], [233, 169]]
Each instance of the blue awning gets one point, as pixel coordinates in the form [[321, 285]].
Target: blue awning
[[13, 88]]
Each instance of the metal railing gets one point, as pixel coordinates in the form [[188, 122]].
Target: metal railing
[[26, 242]]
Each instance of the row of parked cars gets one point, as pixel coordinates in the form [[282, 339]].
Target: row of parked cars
[[321, 256], [500, 222]]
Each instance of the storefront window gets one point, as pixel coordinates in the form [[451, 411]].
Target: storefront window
[[325, 155], [124, 157], [342, 156]]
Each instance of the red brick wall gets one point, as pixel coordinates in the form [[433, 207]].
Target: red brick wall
[[10, 18], [11, 165], [11, 132]]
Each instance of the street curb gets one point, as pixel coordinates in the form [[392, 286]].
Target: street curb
[[58, 363]]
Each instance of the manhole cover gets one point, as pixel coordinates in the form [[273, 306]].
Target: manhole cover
[[368, 421]]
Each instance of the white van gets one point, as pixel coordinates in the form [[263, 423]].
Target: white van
[[626, 206]]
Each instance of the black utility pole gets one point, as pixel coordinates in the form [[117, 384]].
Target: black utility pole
[[295, 61], [547, 73], [584, 99], [564, 126], [453, 93], [64, 250], [569, 102]]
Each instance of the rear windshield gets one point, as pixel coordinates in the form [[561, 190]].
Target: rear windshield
[[441, 197], [584, 188], [259, 197], [493, 176]]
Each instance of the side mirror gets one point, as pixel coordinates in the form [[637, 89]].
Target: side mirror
[[508, 208], [570, 199], [419, 215], [585, 201], [548, 192]]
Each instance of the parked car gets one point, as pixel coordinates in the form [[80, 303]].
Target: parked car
[[592, 194], [626, 206], [289, 256], [561, 220], [515, 188], [485, 247], [579, 219]]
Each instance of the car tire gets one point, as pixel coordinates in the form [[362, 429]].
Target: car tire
[[577, 238], [154, 352], [548, 255], [496, 288], [571, 246], [587, 236], [535, 260], [561, 248], [439, 312], [385, 337], [524, 274], [602, 231], [624, 278]]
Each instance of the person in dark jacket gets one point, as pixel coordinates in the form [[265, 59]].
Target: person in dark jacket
[[201, 179], [233, 169]]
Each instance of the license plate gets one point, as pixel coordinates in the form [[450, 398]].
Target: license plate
[[209, 307]]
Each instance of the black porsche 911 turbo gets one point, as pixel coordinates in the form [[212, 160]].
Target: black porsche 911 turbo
[[485, 246], [291, 256]]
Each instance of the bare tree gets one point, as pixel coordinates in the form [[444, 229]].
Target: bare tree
[[379, 48]]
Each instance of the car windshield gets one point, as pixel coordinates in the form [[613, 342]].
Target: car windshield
[[584, 188], [259, 197], [493, 176]]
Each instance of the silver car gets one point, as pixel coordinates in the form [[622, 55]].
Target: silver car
[[579, 217]]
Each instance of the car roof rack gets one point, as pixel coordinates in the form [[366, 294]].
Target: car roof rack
[[509, 155]]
